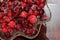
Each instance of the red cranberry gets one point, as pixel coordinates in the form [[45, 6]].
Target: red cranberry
[[18, 27], [12, 24], [41, 5], [30, 2], [6, 19], [17, 10], [12, 0], [34, 7], [30, 12], [23, 4], [30, 25], [24, 0], [43, 1], [3, 25], [9, 3], [23, 14], [37, 2], [43, 17], [34, 30], [1, 15], [9, 13], [35, 13], [8, 35], [32, 19], [15, 3], [28, 32], [9, 29], [4, 30], [41, 12]]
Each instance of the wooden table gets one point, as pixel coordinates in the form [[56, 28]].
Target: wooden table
[[52, 30]]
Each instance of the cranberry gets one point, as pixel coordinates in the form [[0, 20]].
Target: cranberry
[[37, 2], [30, 2], [41, 5], [23, 4], [9, 3], [1, 15], [30, 25], [8, 35], [34, 30], [15, 3], [12, 24], [24, 0], [35, 13], [34, 7], [6, 19], [3, 25], [12, 0], [9, 13], [41, 12], [28, 32], [43, 17], [17, 10], [30, 12], [18, 27], [4, 30], [32, 19], [43, 1], [9, 29], [23, 14]]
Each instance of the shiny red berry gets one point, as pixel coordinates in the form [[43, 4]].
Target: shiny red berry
[[12, 24], [23, 14], [1, 15], [32, 19], [9, 3], [28, 32], [6, 19], [43, 17], [4, 30]]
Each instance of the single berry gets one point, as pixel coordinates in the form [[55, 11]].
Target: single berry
[[12, 24], [32, 19], [6, 19], [23, 14], [43, 17]]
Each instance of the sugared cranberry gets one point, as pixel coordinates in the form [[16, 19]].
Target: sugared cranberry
[[32, 19], [23, 14], [12, 24]]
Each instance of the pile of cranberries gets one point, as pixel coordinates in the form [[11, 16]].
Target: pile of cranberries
[[21, 15]]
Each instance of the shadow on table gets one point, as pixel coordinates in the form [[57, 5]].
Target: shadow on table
[[41, 36]]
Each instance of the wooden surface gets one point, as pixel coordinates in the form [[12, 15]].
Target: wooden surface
[[52, 30]]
